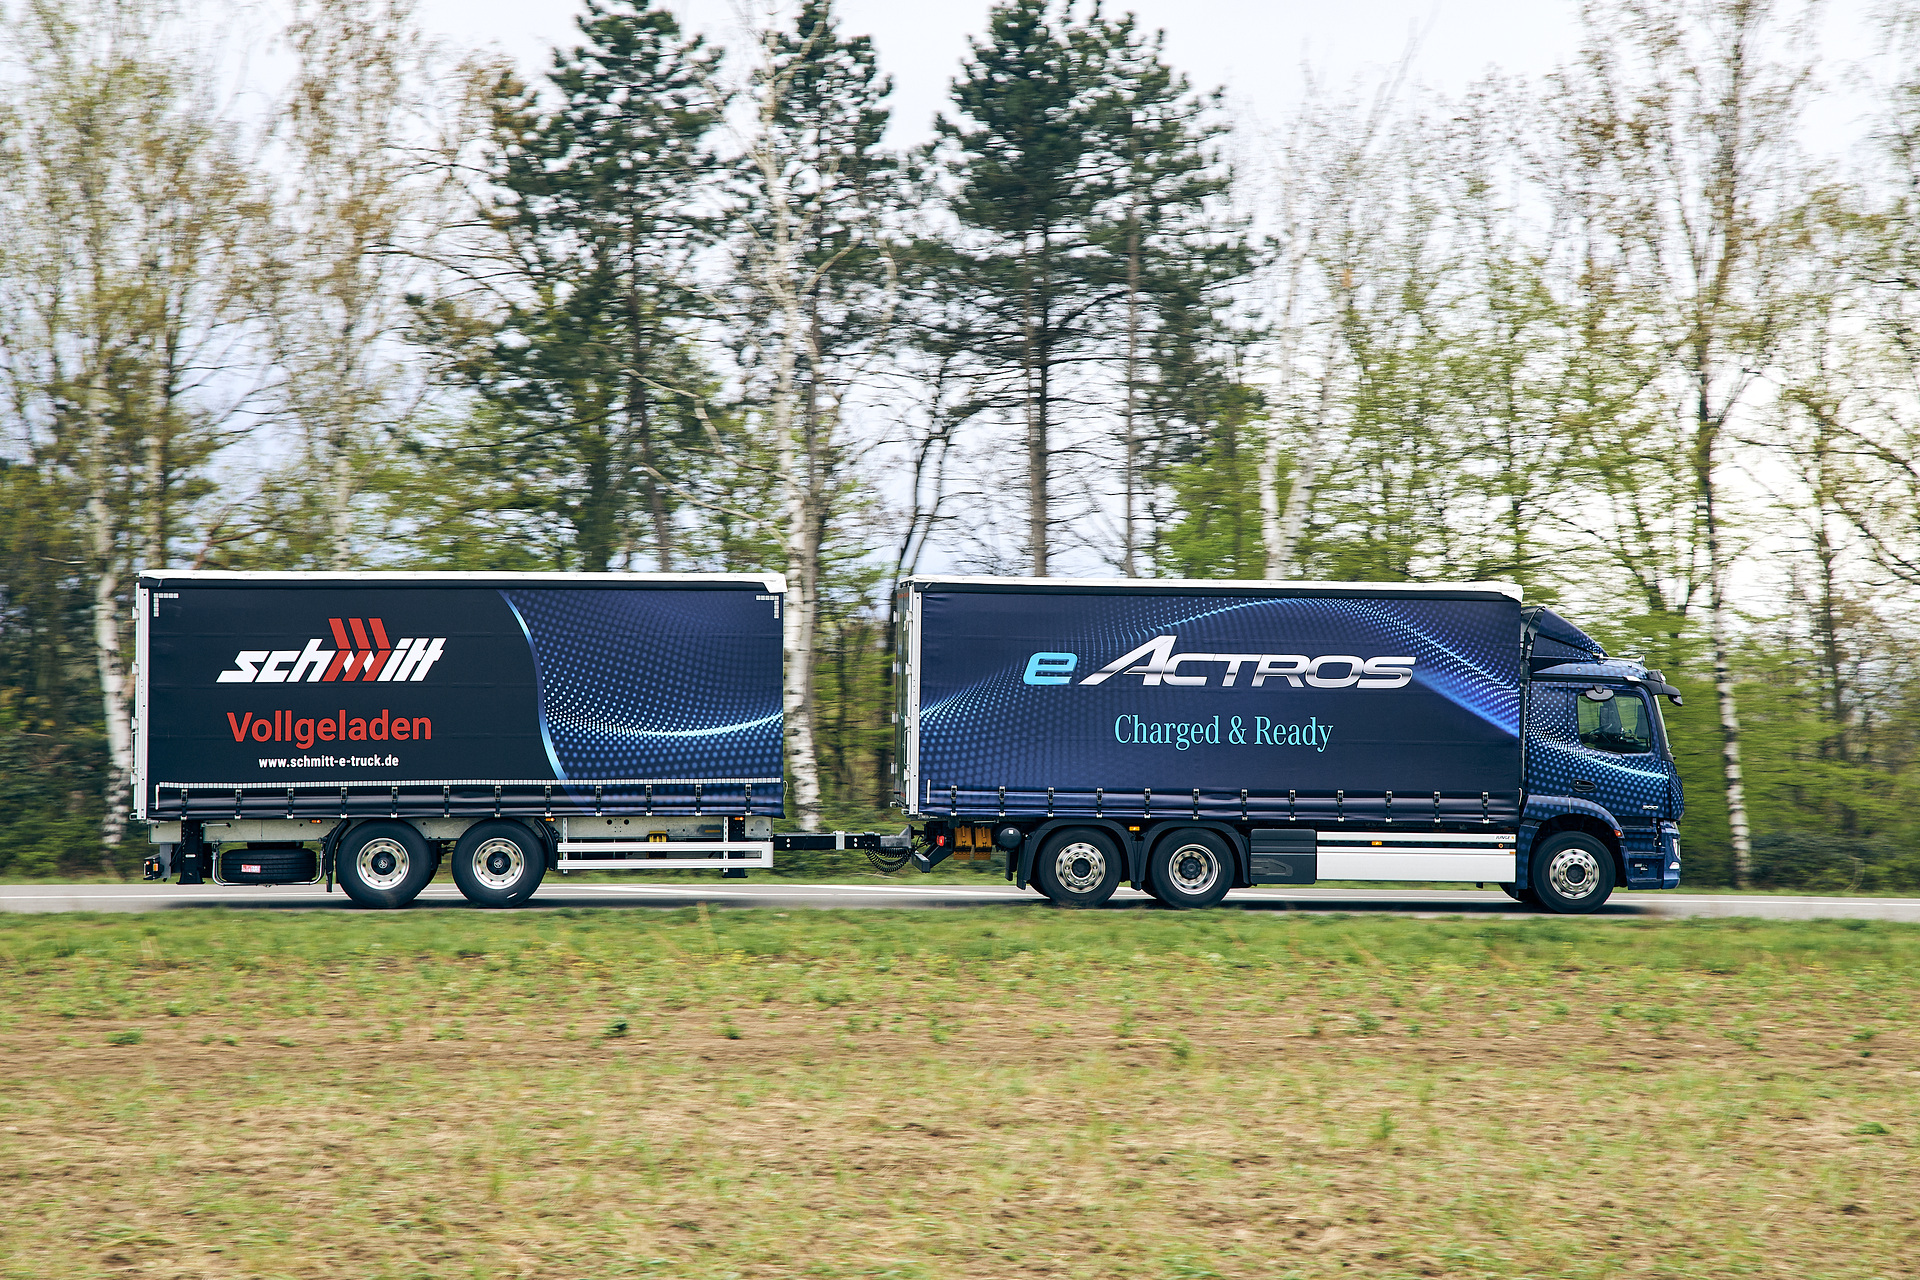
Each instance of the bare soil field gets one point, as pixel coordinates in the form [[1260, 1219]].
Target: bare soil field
[[955, 1094]]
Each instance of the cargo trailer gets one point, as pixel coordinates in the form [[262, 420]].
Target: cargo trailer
[[297, 728]]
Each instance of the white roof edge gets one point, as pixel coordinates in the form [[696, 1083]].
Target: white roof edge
[[1509, 589], [773, 582]]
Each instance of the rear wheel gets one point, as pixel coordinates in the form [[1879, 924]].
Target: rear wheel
[[499, 863], [1078, 867], [1191, 868], [1572, 873], [384, 864]]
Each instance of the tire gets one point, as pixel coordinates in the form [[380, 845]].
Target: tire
[[1572, 873], [270, 864], [1078, 867], [384, 864], [1191, 868], [499, 863], [1521, 893]]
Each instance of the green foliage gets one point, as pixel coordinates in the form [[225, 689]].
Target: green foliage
[[52, 757], [590, 395]]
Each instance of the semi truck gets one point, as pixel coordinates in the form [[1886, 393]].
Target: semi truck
[[1193, 737], [298, 728]]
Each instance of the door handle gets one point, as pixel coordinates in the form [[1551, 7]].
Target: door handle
[[1581, 784]]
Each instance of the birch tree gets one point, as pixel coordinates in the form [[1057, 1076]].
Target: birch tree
[[1688, 119], [1883, 250], [1323, 173], [818, 277], [124, 204], [352, 224]]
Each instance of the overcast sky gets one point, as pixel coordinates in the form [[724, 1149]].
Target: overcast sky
[[1255, 49]]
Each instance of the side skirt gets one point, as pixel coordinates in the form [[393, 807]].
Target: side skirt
[[1376, 855]]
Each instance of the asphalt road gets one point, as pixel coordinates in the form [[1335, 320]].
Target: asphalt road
[[557, 892]]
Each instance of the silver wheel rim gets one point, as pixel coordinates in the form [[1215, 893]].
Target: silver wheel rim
[[499, 863], [382, 863], [1192, 869], [1080, 866], [1574, 874]]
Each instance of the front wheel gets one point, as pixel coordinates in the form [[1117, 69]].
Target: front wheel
[[1572, 873], [499, 863], [384, 864], [1079, 867], [1191, 868]]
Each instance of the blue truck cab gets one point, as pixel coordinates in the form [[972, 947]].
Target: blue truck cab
[[1596, 758]]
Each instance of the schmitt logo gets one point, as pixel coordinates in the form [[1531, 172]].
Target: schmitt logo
[[365, 654], [1156, 663]]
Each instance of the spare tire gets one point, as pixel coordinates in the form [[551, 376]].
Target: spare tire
[[269, 864]]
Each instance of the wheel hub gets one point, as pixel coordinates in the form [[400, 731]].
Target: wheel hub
[[1193, 869], [382, 863], [1080, 866], [498, 863], [1574, 873]]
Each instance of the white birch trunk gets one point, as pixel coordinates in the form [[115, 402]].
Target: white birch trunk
[[1285, 525], [779, 272], [1270, 524], [1730, 750], [340, 509], [1737, 826], [107, 627]]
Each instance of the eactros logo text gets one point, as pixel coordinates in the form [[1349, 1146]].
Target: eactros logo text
[[1156, 663], [366, 654]]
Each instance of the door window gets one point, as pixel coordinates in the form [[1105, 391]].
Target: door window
[[1620, 725]]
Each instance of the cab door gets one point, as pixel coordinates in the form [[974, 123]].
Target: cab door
[[1597, 742]]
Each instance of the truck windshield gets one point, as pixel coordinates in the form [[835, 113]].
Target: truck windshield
[[1620, 724]]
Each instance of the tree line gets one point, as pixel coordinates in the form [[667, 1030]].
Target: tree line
[[1619, 336]]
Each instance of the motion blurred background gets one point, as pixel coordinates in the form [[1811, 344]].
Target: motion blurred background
[[1619, 301]]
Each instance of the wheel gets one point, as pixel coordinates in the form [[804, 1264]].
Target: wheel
[[1572, 873], [384, 864], [1521, 893], [499, 863], [1191, 868], [1078, 867]]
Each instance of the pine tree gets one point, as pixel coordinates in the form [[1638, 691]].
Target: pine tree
[[576, 332], [1176, 250], [1030, 268]]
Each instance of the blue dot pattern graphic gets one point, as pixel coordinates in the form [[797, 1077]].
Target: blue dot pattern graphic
[[667, 687], [1628, 789], [1453, 729]]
